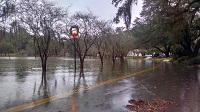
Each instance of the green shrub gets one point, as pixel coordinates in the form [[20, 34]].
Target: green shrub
[[181, 59], [195, 60]]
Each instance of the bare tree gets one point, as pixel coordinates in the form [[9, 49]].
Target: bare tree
[[86, 38], [123, 43], [104, 30], [111, 48], [41, 18], [119, 44]]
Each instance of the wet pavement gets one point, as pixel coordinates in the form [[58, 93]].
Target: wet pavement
[[20, 84]]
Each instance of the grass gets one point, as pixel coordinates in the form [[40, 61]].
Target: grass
[[161, 59], [135, 57], [188, 61]]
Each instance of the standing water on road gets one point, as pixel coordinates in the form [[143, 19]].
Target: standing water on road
[[20, 83]]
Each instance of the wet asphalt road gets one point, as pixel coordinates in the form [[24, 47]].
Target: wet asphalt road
[[182, 88], [177, 83]]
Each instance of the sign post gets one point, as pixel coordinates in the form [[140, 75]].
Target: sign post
[[74, 30]]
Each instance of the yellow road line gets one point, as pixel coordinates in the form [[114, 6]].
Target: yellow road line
[[46, 100]]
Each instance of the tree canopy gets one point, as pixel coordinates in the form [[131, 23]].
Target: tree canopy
[[167, 23], [124, 11]]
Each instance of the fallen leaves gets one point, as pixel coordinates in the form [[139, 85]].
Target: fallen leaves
[[142, 106]]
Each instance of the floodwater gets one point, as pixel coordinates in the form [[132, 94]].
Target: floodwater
[[20, 83]]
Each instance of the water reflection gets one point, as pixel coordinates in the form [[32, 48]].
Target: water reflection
[[44, 89], [61, 78], [21, 68], [100, 75], [73, 103], [81, 83], [74, 100]]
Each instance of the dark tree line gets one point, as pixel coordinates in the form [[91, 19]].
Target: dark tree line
[[170, 26]]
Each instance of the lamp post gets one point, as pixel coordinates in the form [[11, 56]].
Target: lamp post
[[74, 30]]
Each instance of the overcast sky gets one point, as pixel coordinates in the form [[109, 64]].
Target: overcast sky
[[102, 8]]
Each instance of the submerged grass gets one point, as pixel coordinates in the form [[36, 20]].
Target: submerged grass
[[162, 59], [187, 60]]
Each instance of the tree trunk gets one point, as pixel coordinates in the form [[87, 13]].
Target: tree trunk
[[56, 52], [44, 69], [166, 54], [44, 80], [186, 44], [81, 67], [166, 50], [113, 59], [196, 49], [101, 57], [121, 58]]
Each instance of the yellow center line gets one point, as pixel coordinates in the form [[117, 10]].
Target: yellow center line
[[46, 100]]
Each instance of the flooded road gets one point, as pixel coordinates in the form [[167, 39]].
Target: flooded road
[[20, 80]]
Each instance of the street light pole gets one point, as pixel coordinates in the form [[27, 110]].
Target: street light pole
[[74, 38], [74, 30]]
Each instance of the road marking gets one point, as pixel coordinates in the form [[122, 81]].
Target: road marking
[[46, 100]]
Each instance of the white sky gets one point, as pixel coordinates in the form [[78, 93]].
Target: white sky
[[101, 8]]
